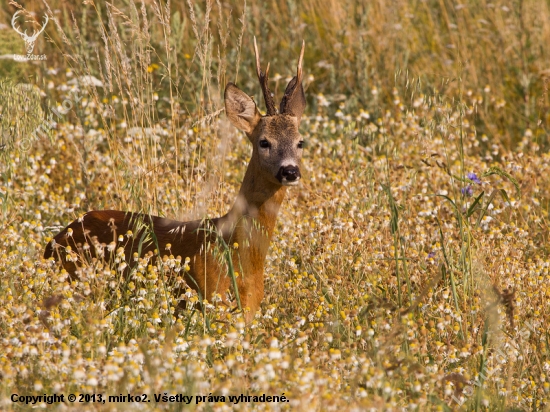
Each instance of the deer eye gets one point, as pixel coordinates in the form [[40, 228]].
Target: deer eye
[[300, 144], [264, 144]]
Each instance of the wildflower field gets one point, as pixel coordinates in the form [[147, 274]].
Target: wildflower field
[[409, 269]]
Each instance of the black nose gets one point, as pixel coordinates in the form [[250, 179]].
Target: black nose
[[289, 173]]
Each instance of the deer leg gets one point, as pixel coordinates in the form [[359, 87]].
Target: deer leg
[[251, 294]]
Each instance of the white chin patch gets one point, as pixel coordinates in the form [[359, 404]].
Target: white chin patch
[[290, 183]]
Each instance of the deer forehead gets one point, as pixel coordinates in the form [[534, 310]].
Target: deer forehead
[[280, 127]]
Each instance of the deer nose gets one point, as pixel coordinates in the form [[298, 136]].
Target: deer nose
[[289, 174]]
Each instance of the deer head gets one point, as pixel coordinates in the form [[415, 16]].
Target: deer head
[[29, 40], [277, 144]]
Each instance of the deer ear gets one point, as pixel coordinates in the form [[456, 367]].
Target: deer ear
[[241, 109], [294, 99]]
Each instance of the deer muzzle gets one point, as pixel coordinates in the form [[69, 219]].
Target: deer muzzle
[[289, 175]]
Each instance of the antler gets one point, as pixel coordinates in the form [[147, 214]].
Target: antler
[[269, 103], [13, 23], [299, 68], [294, 100], [43, 27], [24, 34]]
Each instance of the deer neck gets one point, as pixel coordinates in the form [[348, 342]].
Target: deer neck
[[252, 219]]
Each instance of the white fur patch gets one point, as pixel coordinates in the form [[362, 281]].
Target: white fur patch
[[289, 162]]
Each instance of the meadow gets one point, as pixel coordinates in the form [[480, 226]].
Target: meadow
[[409, 269]]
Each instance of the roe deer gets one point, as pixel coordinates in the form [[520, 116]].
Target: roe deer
[[274, 165]]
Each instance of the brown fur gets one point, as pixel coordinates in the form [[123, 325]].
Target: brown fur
[[250, 222]]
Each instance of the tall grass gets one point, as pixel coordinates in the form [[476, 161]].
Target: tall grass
[[408, 271]]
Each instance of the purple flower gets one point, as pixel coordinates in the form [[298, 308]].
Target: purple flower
[[431, 255], [473, 177], [467, 191]]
